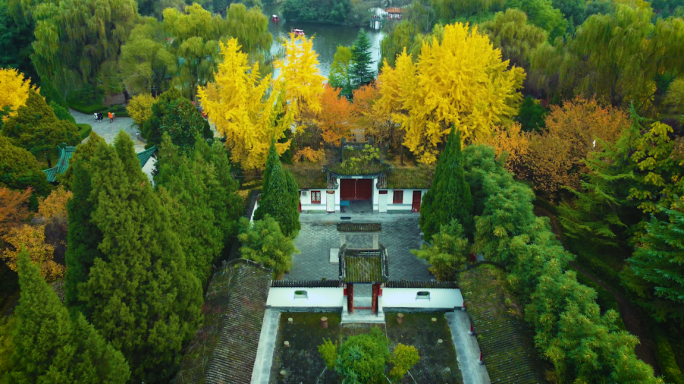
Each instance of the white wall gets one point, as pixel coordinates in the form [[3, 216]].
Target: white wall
[[404, 206], [306, 200], [318, 297], [406, 298]]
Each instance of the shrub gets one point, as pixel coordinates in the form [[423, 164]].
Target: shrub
[[87, 109], [263, 242], [84, 130], [140, 108], [328, 351]]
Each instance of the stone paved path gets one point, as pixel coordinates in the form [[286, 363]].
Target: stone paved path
[[108, 132], [400, 233]]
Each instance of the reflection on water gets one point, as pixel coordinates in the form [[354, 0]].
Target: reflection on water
[[328, 37]]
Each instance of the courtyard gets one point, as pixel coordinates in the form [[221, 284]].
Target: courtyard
[[400, 234], [300, 362]]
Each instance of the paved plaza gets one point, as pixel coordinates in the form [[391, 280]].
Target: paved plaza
[[400, 233], [108, 132]]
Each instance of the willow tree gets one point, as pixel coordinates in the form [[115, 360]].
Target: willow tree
[[614, 56], [239, 104], [78, 42], [250, 28], [511, 32], [196, 43], [146, 63], [461, 80]]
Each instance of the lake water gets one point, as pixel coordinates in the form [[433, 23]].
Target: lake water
[[327, 37]]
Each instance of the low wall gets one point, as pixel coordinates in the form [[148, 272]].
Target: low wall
[[406, 298], [316, 297], [392, 299]]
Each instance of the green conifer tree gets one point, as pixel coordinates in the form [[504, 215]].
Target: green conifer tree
[[293, 190], [657, 267], [225, 202], [19, 169], [83, 237], [449, 196], [183, 185], [362, 62], [50, 346], [278, 196], [142, 296], [37, 129], [264, 242]]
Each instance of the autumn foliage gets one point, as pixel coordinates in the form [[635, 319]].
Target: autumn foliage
[[336, 119], [13, 209], [555, 157], [237, 102], [459, 80], [13, 90], [33, 238]]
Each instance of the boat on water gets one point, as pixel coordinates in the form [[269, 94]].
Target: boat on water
[[298, 32], [275, 18]]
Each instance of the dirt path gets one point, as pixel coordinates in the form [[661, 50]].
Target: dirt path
[[633, 320], [631, 316]]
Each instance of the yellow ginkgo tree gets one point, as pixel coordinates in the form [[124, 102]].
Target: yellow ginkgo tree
[[461, 80], [14, 90], [251, 110], [239, 103], [299, 76]]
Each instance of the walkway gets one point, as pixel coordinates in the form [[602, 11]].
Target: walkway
[[467, 349], [400, 234], [108, 132], [264, 358]]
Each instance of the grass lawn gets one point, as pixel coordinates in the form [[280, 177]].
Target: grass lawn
[[506, 340], [419, 331], [303, 363]]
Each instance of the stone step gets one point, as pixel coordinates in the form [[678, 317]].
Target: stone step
[[362, 315]]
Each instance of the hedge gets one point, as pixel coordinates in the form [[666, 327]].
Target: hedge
[[118, 110], [87, 109], [84, 130]]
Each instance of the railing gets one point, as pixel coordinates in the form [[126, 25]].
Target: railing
[[305, 283], [421, 284]]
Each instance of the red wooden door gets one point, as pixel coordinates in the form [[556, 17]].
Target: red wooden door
[[356, 189], [364, 189], [415, 207], [348, 189]]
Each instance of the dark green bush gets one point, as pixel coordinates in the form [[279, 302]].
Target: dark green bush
[[84, 130]]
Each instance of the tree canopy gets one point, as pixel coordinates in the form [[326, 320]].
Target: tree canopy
[[78, 41], [52, 346], [238, 104], [141, 295], [37, 129], [449, 197], [431, 95], [19, 169]]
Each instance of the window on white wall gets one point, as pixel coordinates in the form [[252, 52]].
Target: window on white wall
[[315, 197], [398, 197]]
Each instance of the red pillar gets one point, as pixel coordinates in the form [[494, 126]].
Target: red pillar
[[350, 297], [374, 303]]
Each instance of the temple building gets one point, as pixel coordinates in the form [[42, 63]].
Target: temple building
[[357, 179]]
